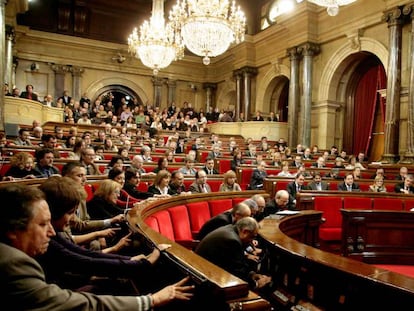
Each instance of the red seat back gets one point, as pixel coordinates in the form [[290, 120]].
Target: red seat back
[[165, 224], [181, 223], [357, 203], [388, 204], [199, 213], [220, 206], [153, 223]]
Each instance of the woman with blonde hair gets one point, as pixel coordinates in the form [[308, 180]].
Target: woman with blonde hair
[[378, 185], [103, 204], [229, 182], [21, 167]]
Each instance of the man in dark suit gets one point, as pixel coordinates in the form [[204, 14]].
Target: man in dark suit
[[226, 218], [403, 173], [348, 184], [294, 188], [317, 183], [278, 203], [272, 117], [65, 98], [225, 247], [24, 282], [28, 94], [406, 186], [258, 176], [209, 167]]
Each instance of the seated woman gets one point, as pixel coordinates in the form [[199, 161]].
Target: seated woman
[[21, 167], [237, 160], [123, 153], [132, 179], [161, 184], [115, 162], [103, 204], [162, 164], [285, 170], [378, 185], [229, 182]]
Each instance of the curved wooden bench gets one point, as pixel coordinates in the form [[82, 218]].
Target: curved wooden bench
[[175, 221], [318, 280], [332, 202]]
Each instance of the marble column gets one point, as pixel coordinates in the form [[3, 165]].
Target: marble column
[[60, 72], [395, 19], [8, 70], [76, 85], [3, 56], [248, 74], [210, 89], [409, 154], [237, 76], [171, 90], [309, 50], [157, 83], [294, 96]]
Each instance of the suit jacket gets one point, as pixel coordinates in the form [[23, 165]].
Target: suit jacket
[[398, 187], [224, 248], [74, 260], [24, 287], [312, 186], [271, 208], [257, 179], [135, 193], [26, 95], [342, 187], [212, 224], [215, 172], [195, 188], [99, 208]]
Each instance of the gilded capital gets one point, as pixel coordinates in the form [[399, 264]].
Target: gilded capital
[[408, 10], [209, 85], [77, 71]]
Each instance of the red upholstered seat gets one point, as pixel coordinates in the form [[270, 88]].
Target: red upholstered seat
[[214, 184], [220, 206], [181, 223], [401, 269], [331, 229], [409, 204], [357, 203], [238, 200], [89, 192], [388, 204], [199, 213], [165, 224], [143, 186], [223, 165], [282, 184], [153, 223]]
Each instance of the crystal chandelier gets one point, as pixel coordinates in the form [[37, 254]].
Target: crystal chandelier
[[157, 44], [208, 27], [332, 6]]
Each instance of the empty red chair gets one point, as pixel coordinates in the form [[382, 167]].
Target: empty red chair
[[220, 206], [357, 203], [165, 224], [331, 229], [388, 204], [199, 213], [181, 223]]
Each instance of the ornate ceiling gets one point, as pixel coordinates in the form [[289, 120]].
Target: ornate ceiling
[[106, 20]]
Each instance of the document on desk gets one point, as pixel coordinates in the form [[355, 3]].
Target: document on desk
[[287, 213]]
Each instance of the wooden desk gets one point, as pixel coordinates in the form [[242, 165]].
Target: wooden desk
[[327, 281]]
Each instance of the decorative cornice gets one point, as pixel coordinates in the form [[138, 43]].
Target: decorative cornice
[[209, 85], [60, 69], [293, 53], [309, 49]]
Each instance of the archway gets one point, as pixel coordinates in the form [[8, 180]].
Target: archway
[[118, 92]]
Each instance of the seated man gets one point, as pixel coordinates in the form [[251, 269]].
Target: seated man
[[209, 167], [348, 184], [406, 186], [226, 218], [278, 203], [177, 186], [294, 188], [23, 280], [258, 176], [225, 247], [200, 184], [132, 179], [44, 166]]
